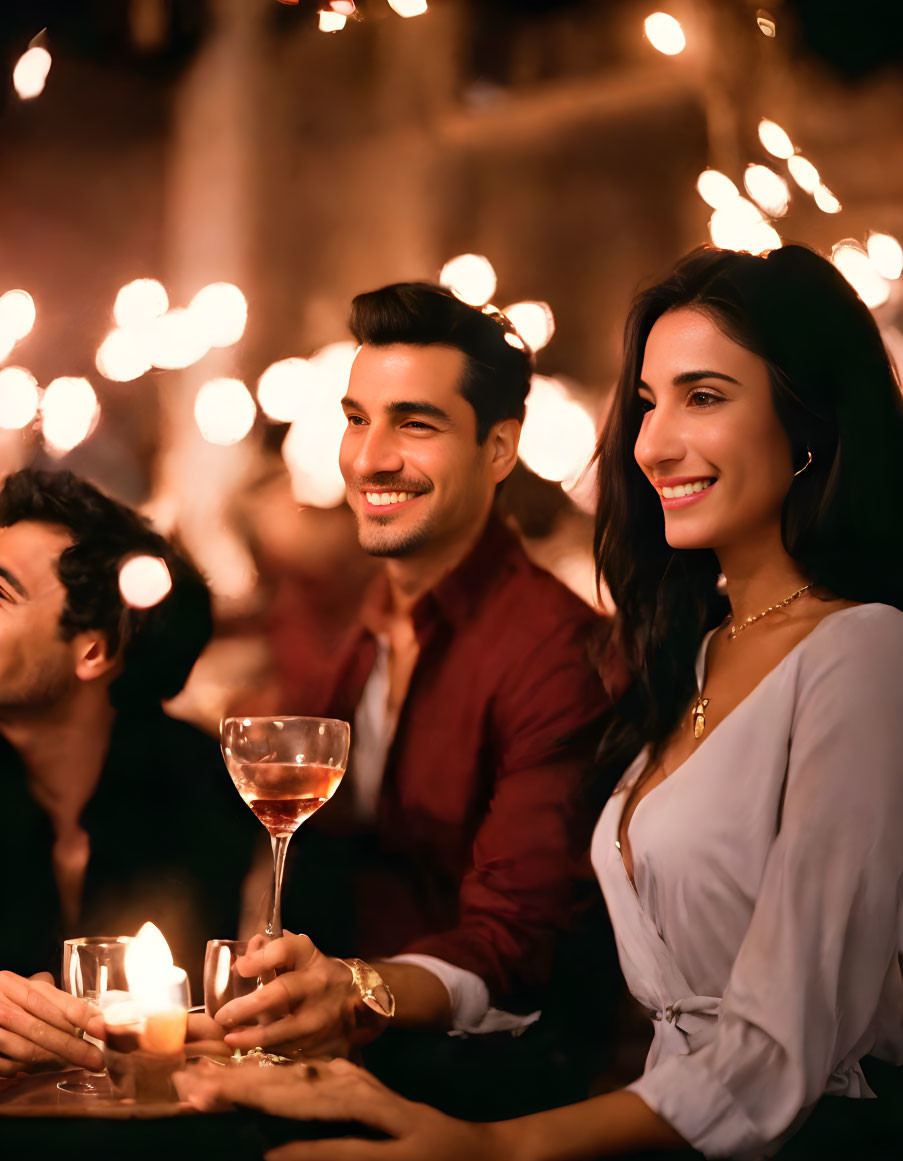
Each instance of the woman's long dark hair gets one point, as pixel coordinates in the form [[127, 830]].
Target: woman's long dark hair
[[837, 396]]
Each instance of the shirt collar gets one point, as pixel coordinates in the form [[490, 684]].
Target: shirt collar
[[453, 598]]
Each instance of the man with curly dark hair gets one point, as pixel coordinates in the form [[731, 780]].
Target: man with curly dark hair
[[113, 812]]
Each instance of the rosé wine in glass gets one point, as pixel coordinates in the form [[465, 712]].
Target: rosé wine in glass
[[285, 769]]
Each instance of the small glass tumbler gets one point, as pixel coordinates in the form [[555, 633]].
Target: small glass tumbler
[[145, 1039], [222, 981], [92, 966]]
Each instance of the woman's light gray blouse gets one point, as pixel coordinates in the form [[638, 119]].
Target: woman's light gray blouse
[[764, 929]]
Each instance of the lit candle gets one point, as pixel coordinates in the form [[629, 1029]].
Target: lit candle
[[145, 1026]]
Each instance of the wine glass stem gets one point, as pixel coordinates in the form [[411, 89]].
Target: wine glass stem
[[280, 846]]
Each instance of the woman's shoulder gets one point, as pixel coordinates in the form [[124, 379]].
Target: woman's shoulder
[[858, 640]]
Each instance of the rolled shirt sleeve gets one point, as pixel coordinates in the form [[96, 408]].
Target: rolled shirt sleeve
[[818, 965]]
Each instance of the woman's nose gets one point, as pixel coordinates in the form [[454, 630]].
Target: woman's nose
[[660, 440]]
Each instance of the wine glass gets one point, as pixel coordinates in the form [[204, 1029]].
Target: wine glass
[[284, 768], [93, 965]]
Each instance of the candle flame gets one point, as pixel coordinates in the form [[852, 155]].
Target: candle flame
[[147, 960]]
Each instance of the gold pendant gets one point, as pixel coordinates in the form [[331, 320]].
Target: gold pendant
[[698, 715]]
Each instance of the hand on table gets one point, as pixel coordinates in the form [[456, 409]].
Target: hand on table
[[314, 1005], [340, 1091], [38, 1023]]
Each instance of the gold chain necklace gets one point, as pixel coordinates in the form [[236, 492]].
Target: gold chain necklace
[[735, 629], [697, 714]]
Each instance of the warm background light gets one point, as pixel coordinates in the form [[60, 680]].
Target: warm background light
[[30, 72], [144, 581], [69, 413], [664, 33], [886, 255], [559, 437], [344, 7], [408, 8], [280, 388], [740, 226], [175, 340], [221, 312], [224, 411], [854, 264], [803, 173], [311, 448], [716, 188], [533, 321], [766, 24], [122, 356], [140, 301], [332, 21], [775, 139], [19, 398], [768, 189], [470, 277], [826, 201], [17, 313]]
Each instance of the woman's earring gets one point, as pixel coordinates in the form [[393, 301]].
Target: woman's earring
[[806, 464]]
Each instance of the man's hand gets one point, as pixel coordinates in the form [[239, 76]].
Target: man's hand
[[314, 1005], [38, 1025], [339, 1091]]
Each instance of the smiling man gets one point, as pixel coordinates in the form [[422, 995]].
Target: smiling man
[[112, 812], [473, 700]]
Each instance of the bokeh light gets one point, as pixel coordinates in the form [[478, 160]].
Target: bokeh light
[[19, 398], [664, 33], [140, 302], [804, 173], [224, 411], [766, 23], [558, 438], [30, 72], [144, 581], [767, 189], [856, 267], [331, 21], [311, 448], [69, 413], [175, 340], [716, 188], [533, 321], [343, 7], [17, 314], [221, 311], [408, 8], [886, 255], [280, 388], [826, 201], [775, 139], [740, 226], [470, 277], [122, 356]]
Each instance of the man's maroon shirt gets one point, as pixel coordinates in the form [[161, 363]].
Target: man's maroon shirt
[[474, 857]]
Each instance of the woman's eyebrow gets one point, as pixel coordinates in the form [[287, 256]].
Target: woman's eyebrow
[[692, 376]]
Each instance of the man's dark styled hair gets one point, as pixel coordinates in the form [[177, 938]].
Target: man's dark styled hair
[[497, 375], [158, 645]]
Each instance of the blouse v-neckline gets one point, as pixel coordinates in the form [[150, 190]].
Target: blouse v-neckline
[[700, 667]]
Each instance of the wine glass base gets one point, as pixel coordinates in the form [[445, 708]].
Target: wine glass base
[[98, 1087]]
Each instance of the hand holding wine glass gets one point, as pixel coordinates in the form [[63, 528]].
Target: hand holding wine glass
[[285, 769]]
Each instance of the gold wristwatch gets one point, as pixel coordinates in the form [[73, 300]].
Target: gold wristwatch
[[374, 990]]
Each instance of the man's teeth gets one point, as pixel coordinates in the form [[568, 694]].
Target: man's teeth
[[686, 489], [389, 497]]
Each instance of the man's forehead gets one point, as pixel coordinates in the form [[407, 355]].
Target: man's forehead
[[402, 371]]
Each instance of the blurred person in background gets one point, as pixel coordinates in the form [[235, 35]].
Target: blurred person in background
[[112, 812], [751, 854], [454, 854]]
